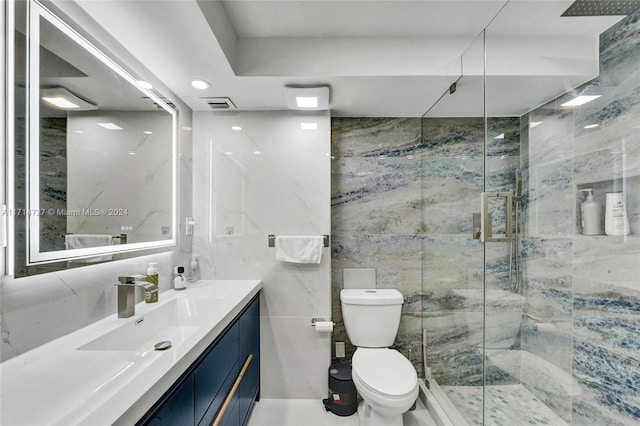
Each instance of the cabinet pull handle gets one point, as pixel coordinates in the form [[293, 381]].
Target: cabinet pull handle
[[234, 388]]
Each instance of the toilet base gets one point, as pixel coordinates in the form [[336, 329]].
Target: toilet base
[[369, 417]]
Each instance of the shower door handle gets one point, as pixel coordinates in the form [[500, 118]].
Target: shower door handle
[[486, 232]]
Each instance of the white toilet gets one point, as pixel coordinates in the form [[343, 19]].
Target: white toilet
[[384, 378]]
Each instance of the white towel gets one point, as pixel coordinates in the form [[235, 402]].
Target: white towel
[[299, 249], [77, 241]]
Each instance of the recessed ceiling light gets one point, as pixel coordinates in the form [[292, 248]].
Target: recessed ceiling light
[[148, 132], [535, 124], [132, 153], [61, 98], [257, 152], [200, 84], [228, 152], [500, 136], [236, 127], [109, 126], [60, 102], [308, 126], [307, 98], [187, 128], [307, 101], [580, 100], [78, 131], [591, 126], [144, 84]]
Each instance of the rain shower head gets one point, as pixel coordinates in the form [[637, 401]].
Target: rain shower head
[[602, 8]]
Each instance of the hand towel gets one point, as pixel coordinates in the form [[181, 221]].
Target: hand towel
[[299, 249]]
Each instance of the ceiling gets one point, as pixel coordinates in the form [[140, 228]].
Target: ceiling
[[379, 58]]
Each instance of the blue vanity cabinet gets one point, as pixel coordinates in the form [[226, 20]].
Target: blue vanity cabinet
[[249, 328], [214, 377], [179, 408], [228, 370]]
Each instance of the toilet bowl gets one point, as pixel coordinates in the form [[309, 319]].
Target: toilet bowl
[[387, 383], [384, 378]]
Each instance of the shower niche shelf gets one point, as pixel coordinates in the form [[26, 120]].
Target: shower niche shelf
[[629, 185]]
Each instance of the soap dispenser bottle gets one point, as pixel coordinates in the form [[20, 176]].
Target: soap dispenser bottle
[[616, 220], [194, 269], [153, 278], [591, 214]]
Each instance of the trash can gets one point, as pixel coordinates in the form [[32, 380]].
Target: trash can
[[343, 398]]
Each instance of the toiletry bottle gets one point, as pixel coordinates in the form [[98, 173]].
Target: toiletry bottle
[[591, 214], [152, 277], [616, 221], [194, 269]]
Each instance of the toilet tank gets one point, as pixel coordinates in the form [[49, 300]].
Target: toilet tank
[[371, 316]]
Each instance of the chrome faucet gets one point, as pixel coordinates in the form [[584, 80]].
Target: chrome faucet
[[126, 293]]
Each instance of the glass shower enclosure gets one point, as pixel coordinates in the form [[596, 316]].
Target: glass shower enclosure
[[540, 326]]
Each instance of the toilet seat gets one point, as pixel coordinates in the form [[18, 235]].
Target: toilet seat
[[385, 372]]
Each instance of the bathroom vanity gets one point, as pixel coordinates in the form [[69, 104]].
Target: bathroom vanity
[[110, 373]]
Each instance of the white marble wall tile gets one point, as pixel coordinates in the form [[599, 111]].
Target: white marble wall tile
[[292, 290], [283, 176], [294, 358]]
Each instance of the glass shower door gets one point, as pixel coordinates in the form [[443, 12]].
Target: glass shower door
[[452, 178]]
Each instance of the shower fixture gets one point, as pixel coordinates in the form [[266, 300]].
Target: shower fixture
[[602, 8]]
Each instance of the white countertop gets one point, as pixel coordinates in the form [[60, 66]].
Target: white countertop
[[59, 384]]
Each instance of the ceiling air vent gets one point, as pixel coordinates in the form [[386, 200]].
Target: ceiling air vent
[[219, 103]]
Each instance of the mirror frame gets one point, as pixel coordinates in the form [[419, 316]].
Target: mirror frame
[[34, 256]]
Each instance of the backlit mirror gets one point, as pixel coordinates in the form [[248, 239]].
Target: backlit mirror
[[100, 154]]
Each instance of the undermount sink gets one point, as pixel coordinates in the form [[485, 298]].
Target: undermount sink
[[175, 321]]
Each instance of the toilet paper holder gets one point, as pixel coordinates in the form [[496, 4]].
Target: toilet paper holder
[[315, 320], [322, 326]]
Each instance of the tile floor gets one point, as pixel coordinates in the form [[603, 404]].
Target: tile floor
[[311, 412]]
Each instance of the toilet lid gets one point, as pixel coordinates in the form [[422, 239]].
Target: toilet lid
[[385, 371]]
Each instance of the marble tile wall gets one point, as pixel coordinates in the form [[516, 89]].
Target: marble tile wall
[[270, 177], [53, 184], [582, 293], [403, 192]]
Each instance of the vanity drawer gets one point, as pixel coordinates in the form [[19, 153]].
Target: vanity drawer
[[215, 375]]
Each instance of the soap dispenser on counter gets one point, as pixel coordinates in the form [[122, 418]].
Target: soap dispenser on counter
[[194, 269], [591, 214]]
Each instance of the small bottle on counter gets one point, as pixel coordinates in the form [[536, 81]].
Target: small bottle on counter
[[153, 278], [194, 269]]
